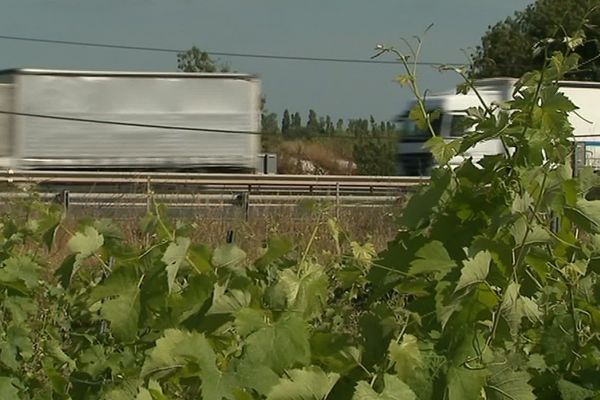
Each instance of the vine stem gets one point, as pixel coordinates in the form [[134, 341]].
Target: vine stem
[[517, 264], [310, 242], [415, 88], [574, 321], [523, 247]]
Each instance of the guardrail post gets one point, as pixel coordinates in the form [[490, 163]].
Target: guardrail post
[[247, 207], [579, 160], [337, 201], [243, 200], [148, 196], [64, 199]]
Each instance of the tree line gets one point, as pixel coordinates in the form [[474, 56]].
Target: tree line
[[291, 125]]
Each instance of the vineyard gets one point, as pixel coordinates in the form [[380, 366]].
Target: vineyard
[[489, 289]]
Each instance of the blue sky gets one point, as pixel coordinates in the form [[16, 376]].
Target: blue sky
[[315, 28]]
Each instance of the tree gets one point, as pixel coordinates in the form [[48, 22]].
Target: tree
[[285, 122], [373, 151], [328, 126], [194, 60], [296, 120], [268, 120], [339, 127], [358, 127], [312, 125], [374, 157], [269, 123], [509, 47]]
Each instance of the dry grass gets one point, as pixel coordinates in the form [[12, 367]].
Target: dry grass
[[329, 155], [212, 224]]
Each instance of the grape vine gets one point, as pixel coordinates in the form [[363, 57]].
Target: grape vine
[[490, 290]]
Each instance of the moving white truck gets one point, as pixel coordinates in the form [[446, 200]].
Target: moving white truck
[[51, 119], [414, 159]]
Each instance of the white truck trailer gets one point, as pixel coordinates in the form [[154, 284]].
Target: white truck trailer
[[414, 159], [51, 119]]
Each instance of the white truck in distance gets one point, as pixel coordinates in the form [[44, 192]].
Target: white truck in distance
[[414, 160], [92, 120]]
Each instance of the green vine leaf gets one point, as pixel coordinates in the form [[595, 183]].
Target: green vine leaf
[[86, 243], [277, 247], [174, 256], [191, 298], [271, 350], [510, 385], [144, 394], [279, 346], [394, 389], [64, 273], [406, 356], [15, 347], [476, 270], [403, 80], [54, 349], [20, 272], [178, 350], [410, 365], [571, 391], [432, 257], [228, 301], [306, 293], [123, 391], [229, 256], [304, 384], [21, 308], [515, 307], [522, 203], [93, 360], [363, 254], [417, 115], [334, 351], [466, 384], [421, 205], [586, 215], [120, 293], [260, 378], [8, 389], [526, 235], [249, 320], [443, 151], [49, 224]]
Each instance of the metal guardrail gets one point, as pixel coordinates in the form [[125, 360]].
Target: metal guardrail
[[187, 190], [72, 177]]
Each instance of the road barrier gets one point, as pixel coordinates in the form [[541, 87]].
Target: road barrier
[[189, 190]]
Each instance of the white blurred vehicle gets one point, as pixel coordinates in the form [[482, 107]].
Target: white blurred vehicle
[[413, 159], [51, 119]]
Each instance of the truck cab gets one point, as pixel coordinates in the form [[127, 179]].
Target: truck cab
[[414, 159]]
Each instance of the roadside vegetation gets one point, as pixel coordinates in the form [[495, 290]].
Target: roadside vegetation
[[488, 290]]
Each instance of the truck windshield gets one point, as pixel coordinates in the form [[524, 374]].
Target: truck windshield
[[458, 125], [410, 130]]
